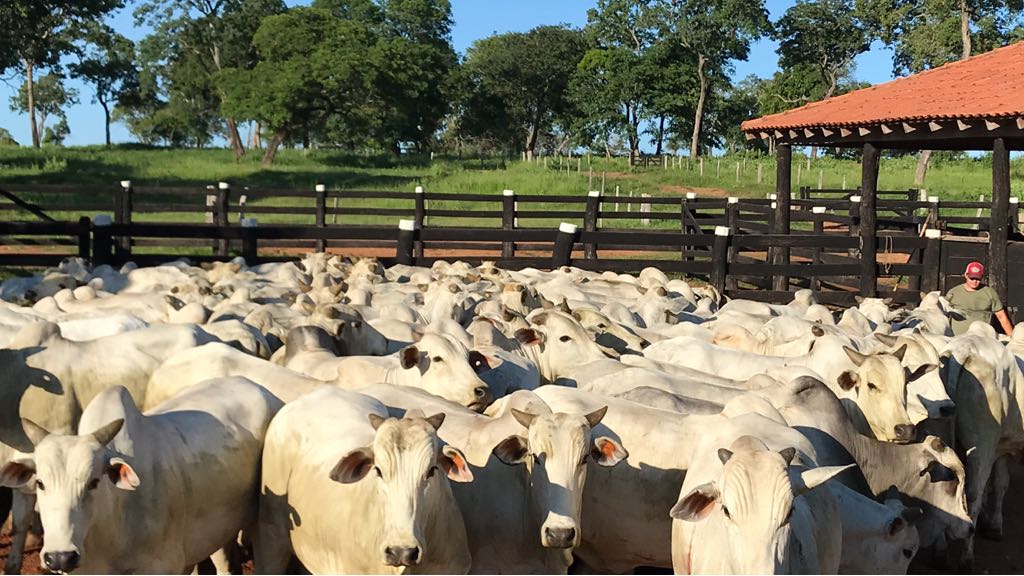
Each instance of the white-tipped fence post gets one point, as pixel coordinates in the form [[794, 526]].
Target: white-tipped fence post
[[420, 220], [321, 214], [221, 218], [406, 240], [123, 214], [591, 222], [102, 242], [720, 258], [508, 222], [933, 213], [562, 253], [1015, 214], [250, 246]]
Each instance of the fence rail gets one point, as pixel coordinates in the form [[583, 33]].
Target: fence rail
[[677, 234]]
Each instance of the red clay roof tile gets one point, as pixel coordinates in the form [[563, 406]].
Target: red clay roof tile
[[988, 85]]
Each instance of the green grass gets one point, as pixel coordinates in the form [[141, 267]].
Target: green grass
[[962, 179]]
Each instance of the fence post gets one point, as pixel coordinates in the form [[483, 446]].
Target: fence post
[[250, 246], [719, 258], [406, 239], [420, 219], [221, 217], [855, 215], [101, 240], [687, 228], [83, 237], [321, 215], [562, 253], [818, 213], [1015, 214], [123, 214], [731, 220], [933, 213], [508, 222], [930, 260], [590, 222]]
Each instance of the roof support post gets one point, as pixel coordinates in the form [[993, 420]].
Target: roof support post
[[783, 183], [997, 235], [868, 220]]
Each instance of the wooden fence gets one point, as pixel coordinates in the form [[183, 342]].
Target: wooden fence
[[724, 240]]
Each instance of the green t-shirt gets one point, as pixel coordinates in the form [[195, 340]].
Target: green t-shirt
[[978, 306]]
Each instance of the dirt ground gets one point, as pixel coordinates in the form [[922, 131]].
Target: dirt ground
[[990, 557]]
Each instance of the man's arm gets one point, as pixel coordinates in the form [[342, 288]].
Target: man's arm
[[1004, 321]]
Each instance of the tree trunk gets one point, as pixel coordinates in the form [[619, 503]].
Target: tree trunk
[[661, 135], [255, 142], [30, 89], [235, 138], [106, 121], [272, 146], [922, 167], [531, 140], [965, 29], [695, 141]]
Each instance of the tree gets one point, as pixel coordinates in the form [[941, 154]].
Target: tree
[[516, 84], [37, 33], [312, 67], [825, 34], [206, 36], [57, 133], [49, 96], [924, 35], [716, 32], [107, 61]]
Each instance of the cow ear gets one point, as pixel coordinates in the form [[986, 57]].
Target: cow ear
[[410, 357], [919, 371], [482, 363], [696, 505], [848, 379], [896, 525], [354, 466], [453, 461], [16, 474], [817, 331], [375, 420], [122, 474], [858, 299], [856, 357], [607, 452], [512, 450], [528, 336], [595, 417], [34, 431]]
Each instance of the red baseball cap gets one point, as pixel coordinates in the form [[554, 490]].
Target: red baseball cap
[[975, 270]]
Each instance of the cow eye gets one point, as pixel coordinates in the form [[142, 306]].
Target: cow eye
[[601, 325], [93, 484], [437, 359], [565, 338], [726, 512], [39, 485], [377, 470], [872, 386], [585, 458], [431, 472]]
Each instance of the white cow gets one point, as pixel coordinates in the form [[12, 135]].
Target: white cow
[[349, 490], [148, 493]]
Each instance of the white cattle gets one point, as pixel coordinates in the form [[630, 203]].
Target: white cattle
[[928, 473], [349, 490], [877, 538], [439, 364], [557, 344], [742, 509], [148, 493], [522, 511]]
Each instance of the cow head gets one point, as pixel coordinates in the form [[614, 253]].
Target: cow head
[[442, 366], [75, 479], [750, 504], [555, 451], [557, 343], [879, 384], [937, 478], [409, 465]]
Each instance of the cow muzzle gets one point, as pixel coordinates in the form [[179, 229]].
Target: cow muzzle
[[402, 555], [62, 562], [559, 537], [482, 398]]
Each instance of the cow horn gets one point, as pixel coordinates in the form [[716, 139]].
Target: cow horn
[[34, 431], [899, 352], [524, 418], [724, 454], [376, 420], [107, 432], [436, 420], [595, 417], [788, 454]]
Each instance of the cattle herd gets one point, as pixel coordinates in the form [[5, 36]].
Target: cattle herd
[[339, 417]]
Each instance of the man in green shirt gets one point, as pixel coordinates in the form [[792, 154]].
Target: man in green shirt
[[977, 301]]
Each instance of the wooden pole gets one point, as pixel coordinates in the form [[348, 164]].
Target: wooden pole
[[321, 215], [868, 220], [720, 258], [999, 218], [223, 195], [562, 253], [590, 222], [783, 183], [508, 222], [406, 241]]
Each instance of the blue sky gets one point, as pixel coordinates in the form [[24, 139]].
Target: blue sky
[[474, 19]]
